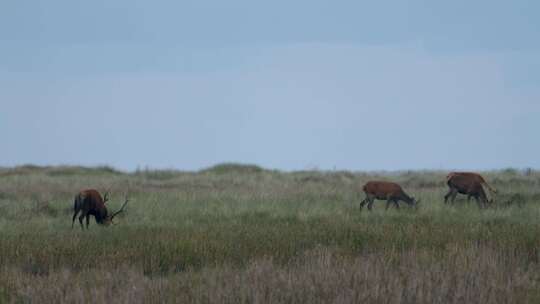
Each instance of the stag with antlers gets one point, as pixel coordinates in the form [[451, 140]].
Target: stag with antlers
[[89, 202]]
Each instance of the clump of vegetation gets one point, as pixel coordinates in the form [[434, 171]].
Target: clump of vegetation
[[233, 168], [45, 208], [162, 175]]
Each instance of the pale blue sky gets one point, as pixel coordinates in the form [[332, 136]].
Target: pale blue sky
[[284, 84]]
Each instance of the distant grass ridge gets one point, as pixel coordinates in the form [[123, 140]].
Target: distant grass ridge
[[58, 170]]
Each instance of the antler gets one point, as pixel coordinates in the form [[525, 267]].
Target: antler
[[106, 196], [121, 209]]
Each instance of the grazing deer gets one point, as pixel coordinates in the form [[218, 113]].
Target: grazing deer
[[469, 184], [471, 176], [90, 202], [391, 192]]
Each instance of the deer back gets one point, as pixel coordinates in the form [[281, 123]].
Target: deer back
[[465, 183], [470, 176], [382, 189], [90, 201]]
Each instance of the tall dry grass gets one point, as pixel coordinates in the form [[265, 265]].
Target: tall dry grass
[[321, 275]]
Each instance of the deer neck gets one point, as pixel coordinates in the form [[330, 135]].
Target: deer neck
[[409, 200], [101, 216]]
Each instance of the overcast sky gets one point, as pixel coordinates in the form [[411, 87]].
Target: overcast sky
[[359, 85]]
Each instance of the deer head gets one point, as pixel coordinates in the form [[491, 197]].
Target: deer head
[[413, 202]]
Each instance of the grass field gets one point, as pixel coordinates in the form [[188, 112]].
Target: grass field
[[242, 234]]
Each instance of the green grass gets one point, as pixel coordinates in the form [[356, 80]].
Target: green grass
[[235, 233]]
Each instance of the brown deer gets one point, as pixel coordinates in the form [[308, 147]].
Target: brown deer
[[469, 184], [90, 202], [471, 176], [391, 192]]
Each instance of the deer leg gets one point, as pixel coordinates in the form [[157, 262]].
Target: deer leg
[[480, 204], [453, 198], [388, 202], [368, 200], [87, 221], [362, 203], [396, 203], [81, 217], [447, 196], [74, 216], [371, 201]]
